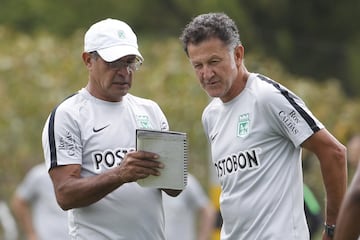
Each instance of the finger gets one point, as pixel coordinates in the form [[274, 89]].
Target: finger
[[144, 159], [145, 172], [151, 164], [143, 155]]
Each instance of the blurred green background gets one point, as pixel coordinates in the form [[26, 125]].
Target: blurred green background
[[312, 47]]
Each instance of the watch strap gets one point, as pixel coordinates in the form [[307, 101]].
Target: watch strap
[[329, 229]]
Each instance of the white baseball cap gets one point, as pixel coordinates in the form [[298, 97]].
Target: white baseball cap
[[111, 39]]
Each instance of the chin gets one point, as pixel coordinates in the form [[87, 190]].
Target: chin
[[213, 94]]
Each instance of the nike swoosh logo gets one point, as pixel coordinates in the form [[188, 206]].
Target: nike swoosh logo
[[212, 138], [99, 129]]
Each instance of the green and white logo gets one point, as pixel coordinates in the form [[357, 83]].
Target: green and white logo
[[121, 34], [143, 121], [243, 126]]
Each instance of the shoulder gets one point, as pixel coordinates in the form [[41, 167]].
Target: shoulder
[[142, 103], [139, 100], [147, 109], [262, 87], [66, 113], [213, 107], [270, 92], [69, 104], [73, 108]]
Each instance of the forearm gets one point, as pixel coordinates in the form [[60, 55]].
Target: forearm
[[332, 157], [73, 190], [335, 181], [80, 192]]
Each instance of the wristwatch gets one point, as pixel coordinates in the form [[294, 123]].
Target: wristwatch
[[329, 230]]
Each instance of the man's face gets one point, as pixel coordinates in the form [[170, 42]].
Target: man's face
[[110, 81], [216, 67]]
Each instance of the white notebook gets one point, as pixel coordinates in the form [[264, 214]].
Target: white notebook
[[172, 148]]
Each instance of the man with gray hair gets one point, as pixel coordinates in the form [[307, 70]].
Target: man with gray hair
[[256, 129]]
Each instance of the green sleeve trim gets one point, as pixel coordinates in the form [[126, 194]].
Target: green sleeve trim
[[311, 201]]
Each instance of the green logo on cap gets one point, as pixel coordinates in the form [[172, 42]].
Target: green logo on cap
[[121, 34]]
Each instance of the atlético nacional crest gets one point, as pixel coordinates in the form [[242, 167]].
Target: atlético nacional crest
[[121, 34], [243, 126], [143, 121]]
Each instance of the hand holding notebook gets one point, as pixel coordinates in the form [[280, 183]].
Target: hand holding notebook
[[172, 148]]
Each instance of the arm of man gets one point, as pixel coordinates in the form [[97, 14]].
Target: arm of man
[[22, 212], [73, 191], [348, 221], [332, 157], [207, 221]]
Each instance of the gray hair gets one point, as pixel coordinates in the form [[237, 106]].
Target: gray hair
[[210, 25]]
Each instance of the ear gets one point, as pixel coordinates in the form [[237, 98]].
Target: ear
[[239, 54], [87, 59]]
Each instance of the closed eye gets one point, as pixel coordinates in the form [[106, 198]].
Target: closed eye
[[214, 61], [197, 66]]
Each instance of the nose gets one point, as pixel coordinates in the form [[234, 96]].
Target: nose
[[207, 72], [124, 70]]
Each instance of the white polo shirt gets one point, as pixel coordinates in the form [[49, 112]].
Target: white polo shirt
[[255, 145], [97, 134]]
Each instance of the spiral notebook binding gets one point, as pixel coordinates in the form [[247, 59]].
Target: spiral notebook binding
[[185, 161]]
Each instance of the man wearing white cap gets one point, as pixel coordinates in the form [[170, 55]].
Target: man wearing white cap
[[89, 144]]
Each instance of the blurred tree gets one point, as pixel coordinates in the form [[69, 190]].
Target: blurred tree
[[37, 71], [312, 38], [315, 38]]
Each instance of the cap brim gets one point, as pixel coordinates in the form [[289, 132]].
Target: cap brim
[[114, 53]]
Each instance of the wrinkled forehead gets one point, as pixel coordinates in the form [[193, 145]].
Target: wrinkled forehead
[[208, 49]]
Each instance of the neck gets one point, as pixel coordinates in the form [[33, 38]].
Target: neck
[[238, 85], [244, 75]]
